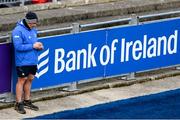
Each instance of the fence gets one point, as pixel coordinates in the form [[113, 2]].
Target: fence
[[9, 3], [107, 51]]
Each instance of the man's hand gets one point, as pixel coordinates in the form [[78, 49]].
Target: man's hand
[[38, 46]]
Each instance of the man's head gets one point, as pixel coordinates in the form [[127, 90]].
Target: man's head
[[31, 19]]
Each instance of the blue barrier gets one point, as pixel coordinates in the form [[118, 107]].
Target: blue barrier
[[107, 52], [144, 47], [5, 68], [74, 49]]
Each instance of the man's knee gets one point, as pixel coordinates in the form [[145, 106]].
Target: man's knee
[[21, 80], [30, 77]]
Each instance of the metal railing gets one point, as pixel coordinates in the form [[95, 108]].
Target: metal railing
[[122, 21], [8, 1]]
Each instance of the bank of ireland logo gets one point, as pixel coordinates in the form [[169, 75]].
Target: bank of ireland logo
[[43, 66]]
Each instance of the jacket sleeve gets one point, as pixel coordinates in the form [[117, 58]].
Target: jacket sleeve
[[18, 42]]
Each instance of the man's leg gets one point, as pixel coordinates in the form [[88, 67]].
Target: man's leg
[[27, 87], [19, 93], [19, 88], [27, 93]]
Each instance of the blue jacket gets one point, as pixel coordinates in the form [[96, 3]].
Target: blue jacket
[[23, 40]]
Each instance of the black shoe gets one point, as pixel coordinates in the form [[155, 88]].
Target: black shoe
[[28, 104], [19, 107]]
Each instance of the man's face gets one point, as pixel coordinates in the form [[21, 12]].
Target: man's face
[[32, 25]]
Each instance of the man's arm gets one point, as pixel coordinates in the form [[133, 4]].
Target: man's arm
[[18, 42]]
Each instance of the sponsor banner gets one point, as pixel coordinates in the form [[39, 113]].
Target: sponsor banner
[[144, 47], [70, 58], [5, 68], [107, 52]]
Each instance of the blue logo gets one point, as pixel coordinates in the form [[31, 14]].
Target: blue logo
[[43, 59]]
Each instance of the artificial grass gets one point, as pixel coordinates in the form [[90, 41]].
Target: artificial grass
[[165, 105]]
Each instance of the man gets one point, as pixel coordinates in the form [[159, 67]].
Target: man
[[26, 47]]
